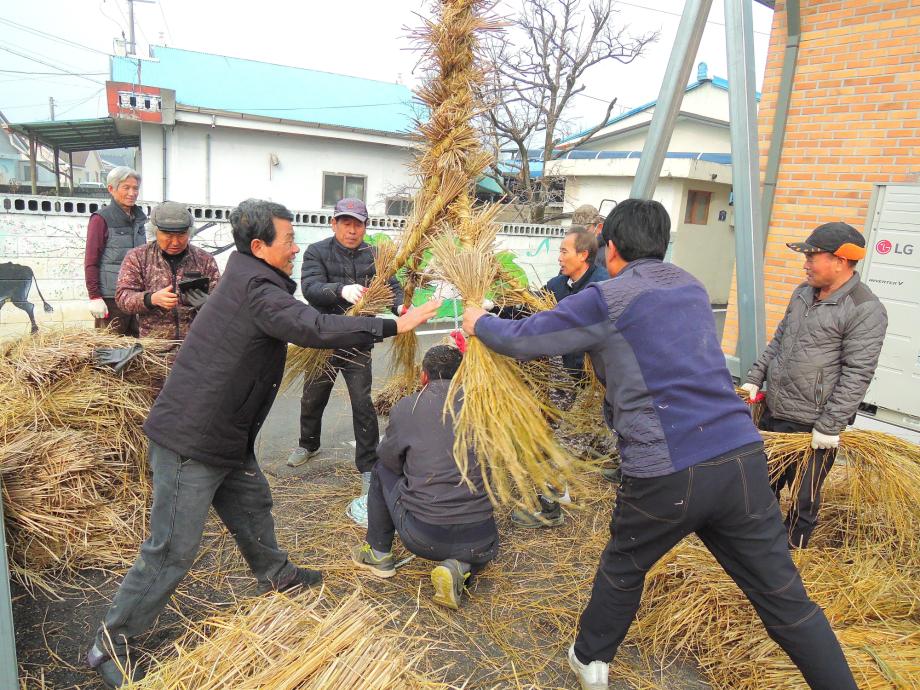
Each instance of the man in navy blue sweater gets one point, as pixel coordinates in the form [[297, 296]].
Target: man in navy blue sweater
[[692, 460]]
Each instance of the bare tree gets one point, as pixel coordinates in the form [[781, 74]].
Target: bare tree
[[534, 82]]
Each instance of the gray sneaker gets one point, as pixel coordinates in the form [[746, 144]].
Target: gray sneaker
[[299, 456], [449, 579]]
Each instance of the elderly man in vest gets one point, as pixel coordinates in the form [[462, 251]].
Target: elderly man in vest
[[153, 278], [820, 362], [113, 231]]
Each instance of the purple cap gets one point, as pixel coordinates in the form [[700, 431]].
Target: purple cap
[[351, 207]]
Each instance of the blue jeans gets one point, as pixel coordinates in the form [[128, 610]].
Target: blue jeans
[[183, 490], [475, 544]]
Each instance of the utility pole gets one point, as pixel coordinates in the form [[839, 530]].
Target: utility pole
[[131, 38], [51, 106]]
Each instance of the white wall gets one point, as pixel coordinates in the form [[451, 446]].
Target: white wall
[[240, 167], [52, 243]]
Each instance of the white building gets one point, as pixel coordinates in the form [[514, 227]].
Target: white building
[[216, 130], [695, 183]]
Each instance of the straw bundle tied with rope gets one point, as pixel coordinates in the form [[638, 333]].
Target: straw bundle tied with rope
[[72, 453], [312, 363], [287, 642]]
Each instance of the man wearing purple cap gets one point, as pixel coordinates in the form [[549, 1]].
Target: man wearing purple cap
[[335, 273], [820, 362]]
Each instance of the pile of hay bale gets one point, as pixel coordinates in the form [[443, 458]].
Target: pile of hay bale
[[862, 566], [72, 452]]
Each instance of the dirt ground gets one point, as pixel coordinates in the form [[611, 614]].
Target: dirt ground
[[512, 631]]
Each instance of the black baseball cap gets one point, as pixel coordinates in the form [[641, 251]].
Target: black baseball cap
[[837, 238]]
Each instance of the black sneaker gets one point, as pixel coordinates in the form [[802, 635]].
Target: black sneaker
[[302, 577], [549, 515], [111, 672]]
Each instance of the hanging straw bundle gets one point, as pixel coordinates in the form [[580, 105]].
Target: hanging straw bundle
[[313, 363], [880, 478], [501, 418], [284, 643]]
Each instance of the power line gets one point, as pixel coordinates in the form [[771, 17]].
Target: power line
[[53, 74], [60, 39], [48, 64], [166, 23], [77, 105], [678, 14]]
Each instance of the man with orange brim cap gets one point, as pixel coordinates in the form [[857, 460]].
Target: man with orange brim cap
[[820, 362]]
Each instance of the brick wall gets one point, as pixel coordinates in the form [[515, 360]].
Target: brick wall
[[854, 121]]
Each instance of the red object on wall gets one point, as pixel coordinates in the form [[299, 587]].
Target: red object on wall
[[134, 101]]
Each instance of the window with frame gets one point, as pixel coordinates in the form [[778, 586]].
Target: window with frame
[[697, 207], [398, 205], [338, 186]]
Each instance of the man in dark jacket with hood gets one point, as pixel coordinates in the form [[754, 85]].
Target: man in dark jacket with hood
[[202, 427], [334, 275], [692, 460], [417, 490], [820, 362]]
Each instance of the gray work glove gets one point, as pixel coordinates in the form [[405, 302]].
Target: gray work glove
[[196, 298], [116, 358]]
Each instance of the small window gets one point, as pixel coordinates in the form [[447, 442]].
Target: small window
[[337, 186], [697, 207], [399, 206]]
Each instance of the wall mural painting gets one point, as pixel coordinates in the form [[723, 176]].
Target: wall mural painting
[[16, 283]]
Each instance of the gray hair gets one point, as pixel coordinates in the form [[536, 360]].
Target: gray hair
[[585, 241], [119, 174]]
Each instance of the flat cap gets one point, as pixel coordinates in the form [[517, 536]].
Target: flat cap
[[171, 216]]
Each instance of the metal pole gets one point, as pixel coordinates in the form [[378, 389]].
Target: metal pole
[[70, 166], [133, 50], [667, 107], [33, 152], [9, 669], [51, 106], [57, 171], [739, 44]]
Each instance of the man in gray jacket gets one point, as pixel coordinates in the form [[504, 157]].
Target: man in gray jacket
[[417, 490], [820, 362]]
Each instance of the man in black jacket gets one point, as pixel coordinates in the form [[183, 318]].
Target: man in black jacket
[[202, 427], [418, 491], [334, 275]]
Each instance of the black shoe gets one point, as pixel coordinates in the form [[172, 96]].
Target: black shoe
[[302, 577], [549, 515], [612, 474], [110, 671]]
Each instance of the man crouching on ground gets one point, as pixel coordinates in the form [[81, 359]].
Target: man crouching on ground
[[202, 427], [416, 490]]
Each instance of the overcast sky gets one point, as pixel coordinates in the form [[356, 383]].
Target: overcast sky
[[365, 38]]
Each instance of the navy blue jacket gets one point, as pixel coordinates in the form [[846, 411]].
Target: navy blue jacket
[[652, 338], [560, 287]]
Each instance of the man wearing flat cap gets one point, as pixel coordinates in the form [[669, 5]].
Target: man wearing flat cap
[[820, 362], [152, 278], [588, 216]]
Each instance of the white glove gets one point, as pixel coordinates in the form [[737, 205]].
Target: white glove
[[752, 390], [488, 304], [445, 291], [352, 293], [820, 441], [98, 309]]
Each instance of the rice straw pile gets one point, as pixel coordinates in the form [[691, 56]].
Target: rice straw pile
[[72, 454], [281, 642], [862, 567]]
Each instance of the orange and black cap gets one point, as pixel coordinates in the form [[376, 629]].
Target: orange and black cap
[[836, 238]]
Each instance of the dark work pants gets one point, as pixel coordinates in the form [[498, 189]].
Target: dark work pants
[[183, 490], [356, 369], [476, 544], [728, 503], [803, 514], [118, 321]]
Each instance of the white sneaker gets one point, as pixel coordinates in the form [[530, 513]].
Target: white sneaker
[[299, 456], [593, 676], [357, 510]]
